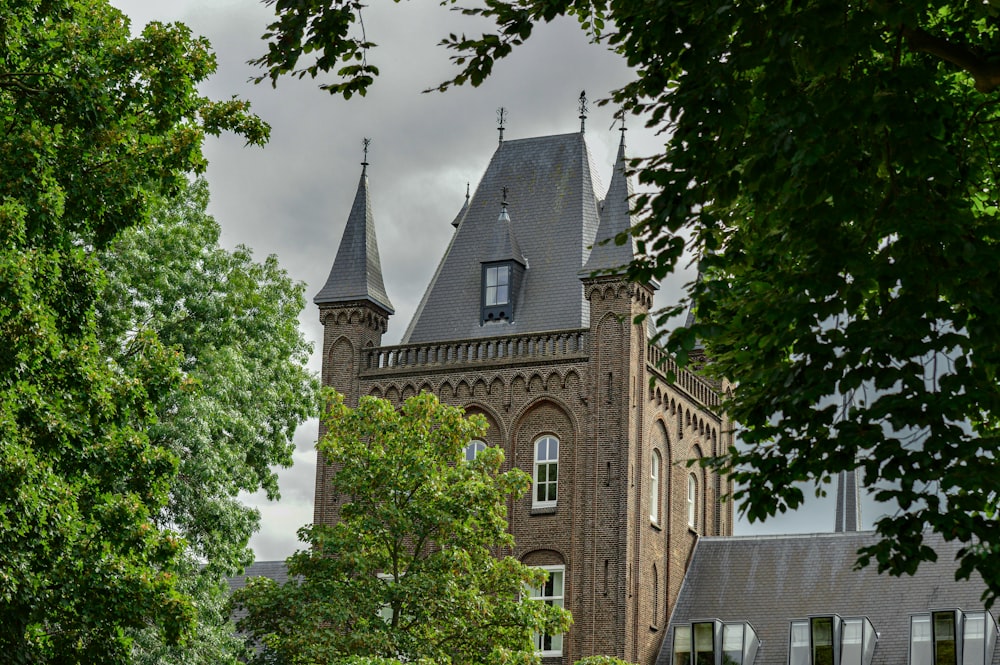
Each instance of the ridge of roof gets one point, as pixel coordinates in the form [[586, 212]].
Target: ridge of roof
[[356, 274]]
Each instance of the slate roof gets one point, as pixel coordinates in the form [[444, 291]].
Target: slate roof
[[770, 580], [553, 205], [276, 570], [357, 270], [608, 257]]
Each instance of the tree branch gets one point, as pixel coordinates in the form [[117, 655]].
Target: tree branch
[[985, 73]]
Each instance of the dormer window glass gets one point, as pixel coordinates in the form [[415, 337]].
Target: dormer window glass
[[831, 640], [497, 285], [712, 642]]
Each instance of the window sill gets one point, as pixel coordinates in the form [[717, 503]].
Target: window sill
[[693, 530], [543, 510], [655, 525], [654, 629]]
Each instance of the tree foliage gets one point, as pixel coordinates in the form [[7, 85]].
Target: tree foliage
[[411, 570], [93, 123], [833, 165], [234, 324]]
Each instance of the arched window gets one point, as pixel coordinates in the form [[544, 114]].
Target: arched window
[[692, 502], [546, 472], [474, 448], [654, 488]]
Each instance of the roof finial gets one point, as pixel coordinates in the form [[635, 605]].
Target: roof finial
[[503, 202], [466, 191], [365, 142], [583, 111], [501, 120], [620, 115]]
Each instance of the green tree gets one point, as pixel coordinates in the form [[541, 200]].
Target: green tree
[[93, 123], [834, 166], [415, 567], [246, 387]]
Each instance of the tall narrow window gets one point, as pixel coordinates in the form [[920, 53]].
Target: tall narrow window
[[546, 472], [654, 488], [822, 641], [692, 502], [551, 593], [704, 644]]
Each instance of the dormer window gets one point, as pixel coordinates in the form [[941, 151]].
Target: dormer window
[[832, 640], [714, 642], [952, 637], [497, 291]]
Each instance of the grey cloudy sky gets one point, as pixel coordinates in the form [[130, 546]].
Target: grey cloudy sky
[[292, 197]]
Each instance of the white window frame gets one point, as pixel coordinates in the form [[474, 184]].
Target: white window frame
[[475, 446], [692, 501], [497, 281], [557, 599], [544, 461], [654, 486]]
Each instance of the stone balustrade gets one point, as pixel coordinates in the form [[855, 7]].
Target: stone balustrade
[[560, 345], [697, 387]]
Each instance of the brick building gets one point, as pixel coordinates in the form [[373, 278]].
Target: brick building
[[526, 324]]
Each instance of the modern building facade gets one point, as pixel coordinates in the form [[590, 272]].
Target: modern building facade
[[529, 322]]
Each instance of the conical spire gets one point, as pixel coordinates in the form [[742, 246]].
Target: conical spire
[[357, 271], [607, 256]]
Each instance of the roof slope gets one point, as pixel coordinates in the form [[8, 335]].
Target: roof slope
[[770, 580], [357, 270], [552, 200]]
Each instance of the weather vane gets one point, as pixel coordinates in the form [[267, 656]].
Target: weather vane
[[620, 115], [365, 142], [583, 110], [501, 120], [503, 202]]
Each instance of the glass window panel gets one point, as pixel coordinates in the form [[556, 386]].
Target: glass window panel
[[871, 639], [750, 644], [921, 652], [704, 639], [682, 645], [491, 277], [501, 297], [553, 448], [974, 644], [732, 644], [551, 592], [822, 641], [553, 472], [991, 636], [474, 448], [945, 652], [798, 652], [851, 642]]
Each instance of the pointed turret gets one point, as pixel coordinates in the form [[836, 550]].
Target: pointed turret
[[608, 257], [357, 271]]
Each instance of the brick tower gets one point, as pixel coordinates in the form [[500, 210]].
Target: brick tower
[[529, 321]]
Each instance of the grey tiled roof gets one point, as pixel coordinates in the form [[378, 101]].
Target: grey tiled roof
[[608, 257], [275, 570], [357, 270], [552, 199], [769, 580]]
